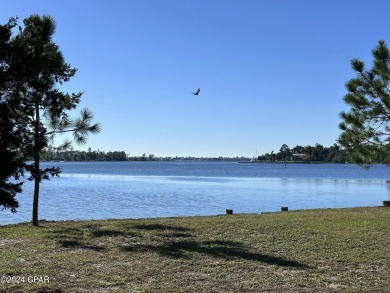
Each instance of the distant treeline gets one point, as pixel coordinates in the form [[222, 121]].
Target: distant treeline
[[84, 156], [316, 153], [98, 155]]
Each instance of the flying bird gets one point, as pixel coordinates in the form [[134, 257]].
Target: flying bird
[[196, 93]]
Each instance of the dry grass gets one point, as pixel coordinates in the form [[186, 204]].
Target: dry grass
[[336, 250]]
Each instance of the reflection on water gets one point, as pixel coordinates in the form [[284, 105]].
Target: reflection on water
[[101, 196]]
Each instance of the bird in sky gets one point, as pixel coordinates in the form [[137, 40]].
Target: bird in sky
[[196, 93]]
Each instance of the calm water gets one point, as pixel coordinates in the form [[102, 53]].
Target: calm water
[[101, 190]]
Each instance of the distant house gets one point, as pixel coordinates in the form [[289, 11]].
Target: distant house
[[300, 157]]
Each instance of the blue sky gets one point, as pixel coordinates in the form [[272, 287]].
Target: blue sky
[[270, 72]]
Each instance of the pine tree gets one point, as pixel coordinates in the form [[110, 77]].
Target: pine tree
[[366, 126], [38, 68]]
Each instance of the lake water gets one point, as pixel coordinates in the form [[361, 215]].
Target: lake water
[[106, 190]]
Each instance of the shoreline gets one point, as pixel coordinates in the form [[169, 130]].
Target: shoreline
[[195, 216]]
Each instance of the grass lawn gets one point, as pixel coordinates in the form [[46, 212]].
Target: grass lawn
[[330, 250]]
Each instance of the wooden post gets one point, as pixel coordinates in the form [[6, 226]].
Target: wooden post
[[386, 203], [229, 212], [284, 209]]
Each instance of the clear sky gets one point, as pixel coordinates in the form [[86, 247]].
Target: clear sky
[[270, 72]]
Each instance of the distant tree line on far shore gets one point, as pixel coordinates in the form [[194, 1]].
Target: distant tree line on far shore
[[90, 155], [316, 153]]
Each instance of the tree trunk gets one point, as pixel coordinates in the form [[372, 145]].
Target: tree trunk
[[35, 202], [37, 177]]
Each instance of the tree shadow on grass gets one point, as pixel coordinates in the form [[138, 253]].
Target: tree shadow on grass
[[168, 241], [79, 244], [159, 227], [178, 245], [108, 233], [73, 238]]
